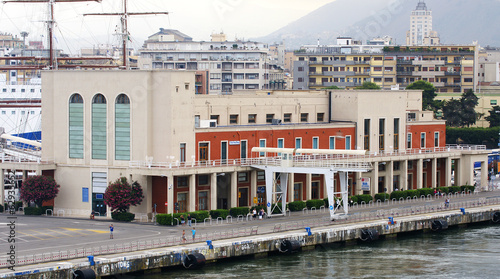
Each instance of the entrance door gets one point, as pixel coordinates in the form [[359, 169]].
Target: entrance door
[[243, 197], [182, 200], [98, 205], [315, 190], [297, 191], [203, 200], [204, 152], [261, 196]]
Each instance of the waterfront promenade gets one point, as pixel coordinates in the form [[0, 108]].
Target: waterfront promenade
[[52, 238]]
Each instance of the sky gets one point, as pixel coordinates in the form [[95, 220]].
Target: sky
[[242, 19]]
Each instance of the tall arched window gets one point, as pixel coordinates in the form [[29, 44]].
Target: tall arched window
[[76, 126], [122, 128], [99, 127]]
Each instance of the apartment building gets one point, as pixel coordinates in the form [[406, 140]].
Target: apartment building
[[450, 68], [421, 32], [232, 65]]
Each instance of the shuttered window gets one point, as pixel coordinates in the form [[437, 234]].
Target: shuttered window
[[99, 127], [122, 128], [76, 126]]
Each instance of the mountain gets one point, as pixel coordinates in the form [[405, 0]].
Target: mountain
[[456, 21]]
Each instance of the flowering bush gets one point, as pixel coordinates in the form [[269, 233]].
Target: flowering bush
[[39, 188], [120, 195]]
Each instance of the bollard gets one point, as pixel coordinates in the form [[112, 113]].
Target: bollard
[[308, 230], [463, 210], [209, 243], [91, 260], [391, 220]]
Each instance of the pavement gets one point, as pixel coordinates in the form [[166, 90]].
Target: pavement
[[41, 234]]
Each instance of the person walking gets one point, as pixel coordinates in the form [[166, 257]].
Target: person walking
[[189, 220], [254, 213], [183, 221], [194, 232], [111, 229], [183, 236]]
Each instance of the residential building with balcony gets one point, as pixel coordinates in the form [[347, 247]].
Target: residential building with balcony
[[450, 68], [232, 65]]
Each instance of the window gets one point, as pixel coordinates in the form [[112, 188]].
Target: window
[[410, 165], [23, 90], [269, 118], [215, 76], [203, 180], [223, 152], [182, 155], [377, 69], [366, 145], [182, 181], [381, 134], [303, 117], [233, 119], [287, 117], [300, 79], [408, 141], [332, 143], [76, 131], [243, 149], [99, 124], [320, 117], [122, 128], [436, 139], [467, 79], [261, 175], [215, 117], [396, 166], [262, 143], [12, 90], [422, 140], [301, 69], [252, 118], [348, 143], [297, 191], [298, 143], [203, 200], [315, 143], [281, 143], [4, 90], [388, 79], [396, 133], [242, 176]]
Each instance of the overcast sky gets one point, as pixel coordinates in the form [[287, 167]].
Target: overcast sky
[[197, 18]]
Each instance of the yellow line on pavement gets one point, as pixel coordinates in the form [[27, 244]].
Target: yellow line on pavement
[[43, 233], [97, 231], [27, 234], [59, 232], [74, 230]]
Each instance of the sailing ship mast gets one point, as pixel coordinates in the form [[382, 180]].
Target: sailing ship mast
[[124, 26], [50, 22]]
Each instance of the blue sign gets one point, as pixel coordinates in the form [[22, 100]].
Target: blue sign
[[261, 189], [268, 204], [331, 207]]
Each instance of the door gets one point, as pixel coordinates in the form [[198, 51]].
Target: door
[[203, 200], [243, 197], [204, 152], [182, 201]]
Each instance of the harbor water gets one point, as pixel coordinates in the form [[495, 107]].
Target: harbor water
[[473, 252]]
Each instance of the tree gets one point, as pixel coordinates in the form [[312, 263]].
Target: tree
[[494, 117], [120, 195], [428, 95], [368, 85], [461, 113], [452, 113], [39, 188]]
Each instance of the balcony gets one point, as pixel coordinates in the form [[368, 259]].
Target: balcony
[[451, 73], [227, 80], [405, 73], [452, 84], [405, 62], [362, 73]]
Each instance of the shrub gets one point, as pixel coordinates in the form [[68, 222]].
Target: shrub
[[164, 219], [120, 195], [258, 208], [398, 194], [354, 199], [44, 209], [33, 211], [454, 189], [296, 205], [382, 197], [443, 190], [200, 216], [315, 203], [18, 204], [411, 193], [39, 188], [1, 208], [326, 202], [276, 209], [218, 213], [235, 211], [364, 198], [425, 192], [123, 216], [467, 188]]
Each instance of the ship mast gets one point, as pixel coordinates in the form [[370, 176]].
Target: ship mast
[[50, 23], [124, 27]]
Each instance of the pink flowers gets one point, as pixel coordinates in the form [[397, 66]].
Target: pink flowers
[[38, 189], [120, 195]]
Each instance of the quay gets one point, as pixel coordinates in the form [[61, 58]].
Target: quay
[[262, 238]]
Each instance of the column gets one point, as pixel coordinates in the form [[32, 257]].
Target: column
[[458, 172], [404, 175], [308, 186], [447, 173], [484, 175], [234, 190], [420, 173], [170, 193], [291, 185], [253, 186], [389, 176], [213, 191], [374, 179], [434, 172], [192, 193], [356, 188]]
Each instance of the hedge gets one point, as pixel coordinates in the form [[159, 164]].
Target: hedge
[[33, 211], [276, 209], [398, 195], [412, 193], [382, 197], [296, 205], [443, 190], [258, 208], [425, 192], [235, 211], [454, 189], [200, 216], [354, 199], [18, 204], [315, 203], [164, 219], [467, 188], [364, 198], [218, 213], [123, 216]]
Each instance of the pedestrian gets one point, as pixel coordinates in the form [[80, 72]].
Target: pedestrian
[[182, 220], [111, 229], [194, 232], [183, 236], [254, 212], [447, 203], [189, 220], [261, 213]]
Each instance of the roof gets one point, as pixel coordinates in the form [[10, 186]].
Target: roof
[[421, 6], [172, 32]]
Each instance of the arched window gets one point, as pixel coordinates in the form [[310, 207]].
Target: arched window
[[99, 124], [122, 128], [76, 133]]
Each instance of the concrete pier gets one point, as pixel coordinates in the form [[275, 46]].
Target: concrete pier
[[255, 245]]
